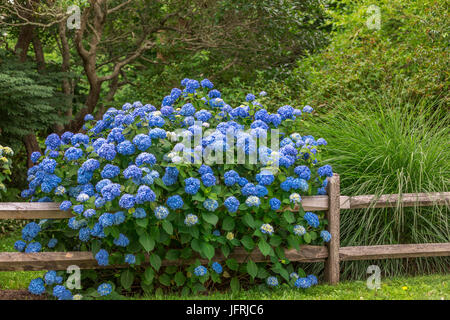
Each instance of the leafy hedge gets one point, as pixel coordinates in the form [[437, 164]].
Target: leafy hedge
[[136, 190], [5, 166]]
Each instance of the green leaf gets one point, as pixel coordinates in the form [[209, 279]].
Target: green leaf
[[179, 278], [248, 220], [208, 250], [252, 269], [264, 247], [126, 279], [248, 242], [155, 261], [232, 264], [228, 224], [167, 226], [275, 240], [293, 242], [142, 222], [210, 218], [172, 254], [289, 217], [164, 279], [235, 286], [147, 242], [225, 250], [307, 237], [149, 274], [196, 245]]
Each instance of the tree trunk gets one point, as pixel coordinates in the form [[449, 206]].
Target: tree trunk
[[23, 42], [38, 52], [65, 67], [21, 49], [91, 102], [31, 145]]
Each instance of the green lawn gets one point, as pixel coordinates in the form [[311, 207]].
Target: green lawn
[[433, 287], [436, 287], [16, 279]]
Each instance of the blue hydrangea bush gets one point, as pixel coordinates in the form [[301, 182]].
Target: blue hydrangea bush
[[144, 200]]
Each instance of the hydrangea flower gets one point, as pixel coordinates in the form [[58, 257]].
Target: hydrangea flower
[[161, 212], [307, 109], [107, 151], [190, 220], [35, 156], [36, 286], [312, 279], [200, 271], [192, 185], [30, 231], [104, 289], [132, 172], [175, 202], [53, 141], [295, 198], [232, 204], [62, 293], [106, 219], [121, 241], [312, 219], [139, 213], [210, 205], [127, 201], [303, 283], [102, 257], [33, 247], [20, 245], [145, 194], [208, 179], [142, 142], [326, 236], [299, 230], [111, 166], [275, 204], [130, 258], [252, 201], [52, 243], [267, 229], [65, 205], [325, 171], [217, 267], [73, 153], [272, 281]]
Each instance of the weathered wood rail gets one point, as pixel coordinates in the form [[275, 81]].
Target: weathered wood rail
[[332, 254]]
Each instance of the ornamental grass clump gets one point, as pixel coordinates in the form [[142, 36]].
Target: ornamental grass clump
[[179, 183]]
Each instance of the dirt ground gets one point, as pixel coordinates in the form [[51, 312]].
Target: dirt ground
[[19, 295]]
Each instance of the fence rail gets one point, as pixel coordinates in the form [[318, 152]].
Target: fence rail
[[332, 254]]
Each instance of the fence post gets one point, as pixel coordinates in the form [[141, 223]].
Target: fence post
[[333, 217]]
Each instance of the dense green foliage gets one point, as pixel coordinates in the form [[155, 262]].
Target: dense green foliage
[[434, 287], [362, 64], [5, 167], [384, 149], [29, 101], [157, 182], [381, 96]]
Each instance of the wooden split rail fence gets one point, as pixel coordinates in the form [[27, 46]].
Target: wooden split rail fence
[[332, 254]]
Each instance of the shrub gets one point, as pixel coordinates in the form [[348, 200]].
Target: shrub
[[5, 167], [361, 64], [136, 191], [391, 147]]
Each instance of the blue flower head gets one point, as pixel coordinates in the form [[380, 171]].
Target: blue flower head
[[200, 271], [104, 289], [217, 267], [36, 286]]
